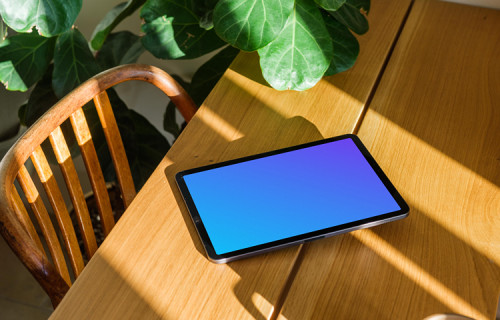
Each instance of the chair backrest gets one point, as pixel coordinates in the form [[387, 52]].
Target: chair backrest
[[17, 227]]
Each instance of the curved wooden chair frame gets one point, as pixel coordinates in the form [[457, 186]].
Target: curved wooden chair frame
[[15, 223]]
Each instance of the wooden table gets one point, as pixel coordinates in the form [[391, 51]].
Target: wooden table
[[424, 97]]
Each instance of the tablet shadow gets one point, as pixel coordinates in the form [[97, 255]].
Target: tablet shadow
[[277, 133]]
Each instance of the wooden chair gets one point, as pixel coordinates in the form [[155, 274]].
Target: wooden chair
[[15, 224]]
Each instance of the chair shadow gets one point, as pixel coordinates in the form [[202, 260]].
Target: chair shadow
[[111, 286]]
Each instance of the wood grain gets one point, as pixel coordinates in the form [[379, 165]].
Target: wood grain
[[116, 148], [96, 177], [153, 264], [26, 220], [54, 278], [43, 219], [75, 191], [433, 126], [59, 208]]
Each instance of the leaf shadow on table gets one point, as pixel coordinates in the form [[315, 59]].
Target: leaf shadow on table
[[262, 278]]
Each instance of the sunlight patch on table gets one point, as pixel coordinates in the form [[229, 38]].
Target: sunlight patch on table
[[290, 103], [217, 124], [262, 304], [415, 273], [460, 200]]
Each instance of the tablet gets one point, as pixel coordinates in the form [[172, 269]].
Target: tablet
[[276, 199]]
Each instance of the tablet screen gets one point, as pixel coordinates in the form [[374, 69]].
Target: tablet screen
[[285, 194]]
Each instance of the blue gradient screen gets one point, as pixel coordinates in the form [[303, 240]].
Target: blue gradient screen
[[288, 194]]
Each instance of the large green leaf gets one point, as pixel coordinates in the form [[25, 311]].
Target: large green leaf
[[172, 31], [120, 48], [301, 54], [251, 24], [345, 46], [111, 20], [330, 4], [50, 17], [73, 62], [24, 59], [351, 16]]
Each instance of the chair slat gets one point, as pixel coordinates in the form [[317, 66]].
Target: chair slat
[[25, 219], [61, 211], [116, 149], [94, 171], [68, 170], [42, 216]]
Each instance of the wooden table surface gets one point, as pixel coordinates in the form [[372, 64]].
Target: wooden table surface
[[424, 96]]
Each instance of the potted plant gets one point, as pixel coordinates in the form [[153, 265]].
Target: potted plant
[[298, 42]]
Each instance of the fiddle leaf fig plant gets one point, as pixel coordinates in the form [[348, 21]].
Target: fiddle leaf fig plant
[[111, 20], [49, 17], [298, 42], [24, 58], [172, 30], [251, 24], [302, 52]]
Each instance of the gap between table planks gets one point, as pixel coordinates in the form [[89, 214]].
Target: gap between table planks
[[434, 127], [152, 264]]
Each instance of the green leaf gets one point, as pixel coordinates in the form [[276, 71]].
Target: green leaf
[[251, 24], [144, 144], [73, 62], [201, 7], [41, 99], [209, 73], [330, 4], [207, 21], [3, 30], [120, 48], [204, 80], [176, 35], [24, 59], [345, 46], [111, 20], [170, 122], [350, 15], [50, 17], [301, 54]]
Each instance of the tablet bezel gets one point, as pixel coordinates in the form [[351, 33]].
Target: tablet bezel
[[302, 238]]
